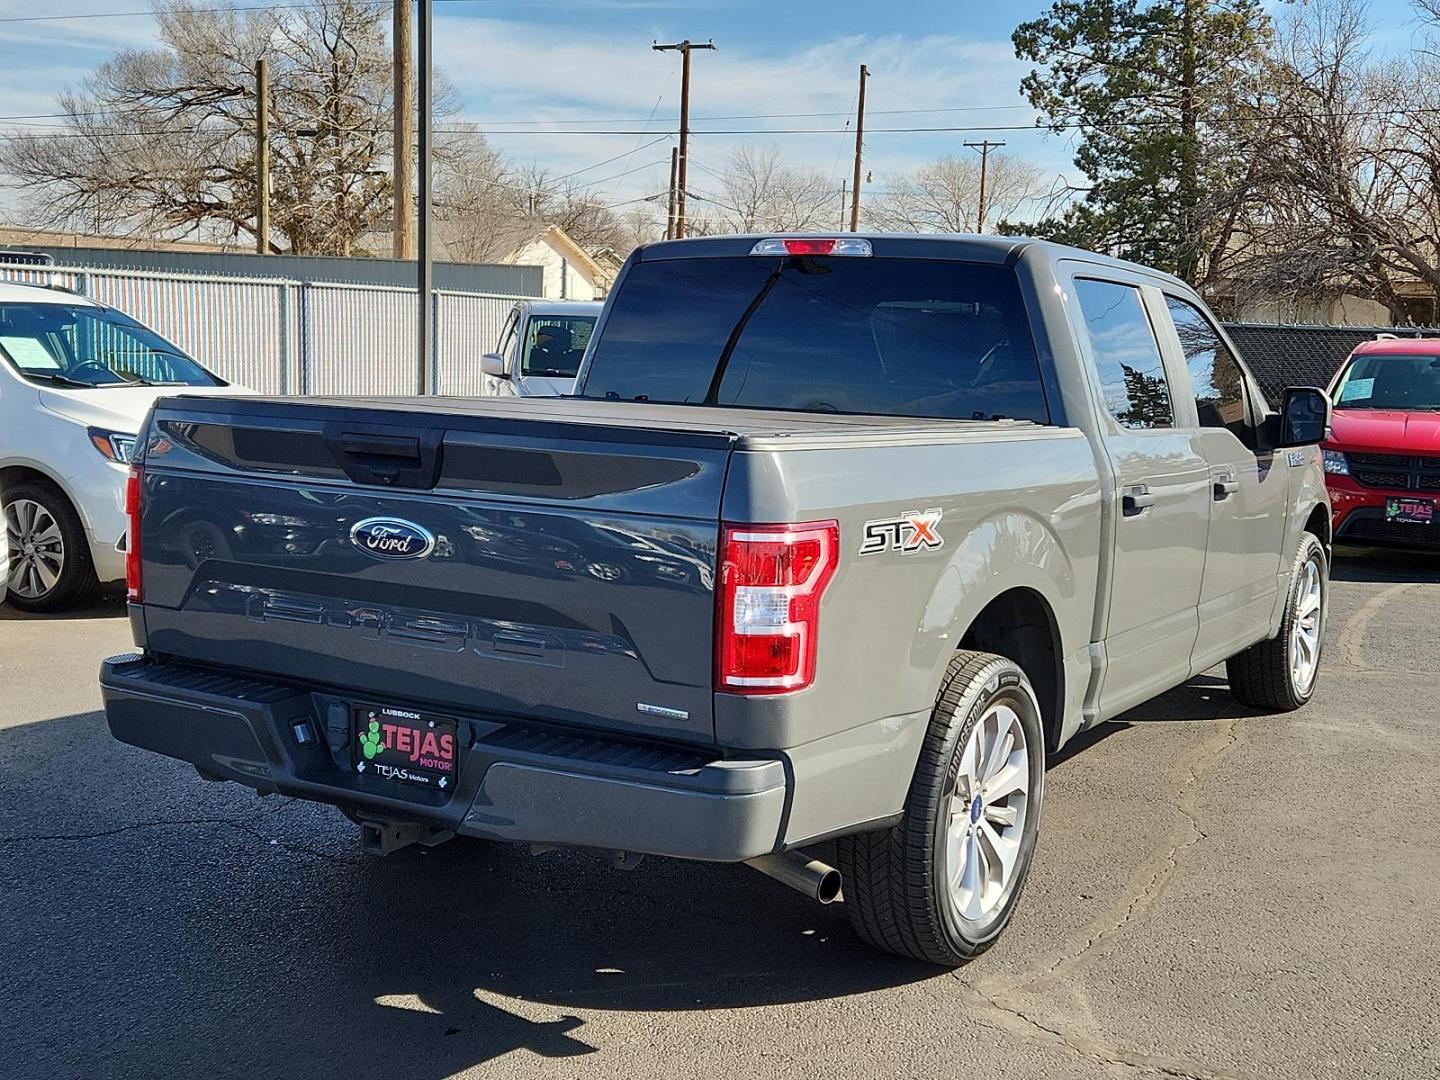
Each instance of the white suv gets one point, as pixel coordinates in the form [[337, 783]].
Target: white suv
[[76, 380], [541, 346]]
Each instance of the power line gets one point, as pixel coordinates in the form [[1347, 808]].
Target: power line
[[618, 120], [617, 157], [1160, 122]]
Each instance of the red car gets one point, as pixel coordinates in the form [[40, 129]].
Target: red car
[[1382, 462]]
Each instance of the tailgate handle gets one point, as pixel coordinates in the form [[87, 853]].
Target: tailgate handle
[[390, 460], [396, 446]]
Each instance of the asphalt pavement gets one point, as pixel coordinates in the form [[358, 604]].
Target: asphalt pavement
[[1217, 894]]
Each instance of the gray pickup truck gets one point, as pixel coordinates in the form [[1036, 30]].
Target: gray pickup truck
[[841, 539]]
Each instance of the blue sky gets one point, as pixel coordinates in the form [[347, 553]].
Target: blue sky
[[535, 72]]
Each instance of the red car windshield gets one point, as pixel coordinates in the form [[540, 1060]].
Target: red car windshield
[[1385, 381]]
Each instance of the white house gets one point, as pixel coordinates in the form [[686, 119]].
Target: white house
[[570, 273]]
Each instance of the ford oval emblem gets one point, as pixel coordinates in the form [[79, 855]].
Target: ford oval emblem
[[392, 538]]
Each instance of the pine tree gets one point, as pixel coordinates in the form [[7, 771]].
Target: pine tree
[[1150, 87]]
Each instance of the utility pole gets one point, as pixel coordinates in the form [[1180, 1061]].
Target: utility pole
[[844, 201], [262, 158], [403, 174], [984, 146], [670, 205], [426, 381], [684, 48], [859, 150]]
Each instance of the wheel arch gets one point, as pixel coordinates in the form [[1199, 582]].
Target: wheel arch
[[1020, 625], [1319, 524], [1011, 587], [28, 473]]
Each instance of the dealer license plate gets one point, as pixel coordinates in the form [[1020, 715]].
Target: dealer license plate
[[1410, 511], [404, 746]]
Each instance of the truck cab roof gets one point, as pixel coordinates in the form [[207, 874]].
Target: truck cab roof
[[966, 247]]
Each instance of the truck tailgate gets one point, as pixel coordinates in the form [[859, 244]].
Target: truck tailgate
[[491, 562]]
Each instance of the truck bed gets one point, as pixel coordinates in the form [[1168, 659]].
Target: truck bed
[[572, 565], [748, 428]]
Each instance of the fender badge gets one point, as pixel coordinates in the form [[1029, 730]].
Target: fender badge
[[907, 533]]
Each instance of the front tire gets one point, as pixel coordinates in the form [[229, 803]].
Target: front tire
[[941, 885], [1280, 674], [50, 564]]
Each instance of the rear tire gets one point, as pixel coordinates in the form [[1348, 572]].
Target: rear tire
[[50, 564], [1281, 674], [941, 885]]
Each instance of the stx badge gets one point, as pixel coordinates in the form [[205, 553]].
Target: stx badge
[[912, 531]]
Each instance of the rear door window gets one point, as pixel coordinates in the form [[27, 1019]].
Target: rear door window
[[904, 337], [1127, 355]]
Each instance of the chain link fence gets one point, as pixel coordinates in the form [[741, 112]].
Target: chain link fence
[[291, 337]]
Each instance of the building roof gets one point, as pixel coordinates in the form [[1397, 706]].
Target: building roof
[[561, 241], [21, 236], [1282, 356]]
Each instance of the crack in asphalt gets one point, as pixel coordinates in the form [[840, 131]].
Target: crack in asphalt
[[1204, 759], [1097, 1050], [996, 993], [241, 823], [1351, 643]]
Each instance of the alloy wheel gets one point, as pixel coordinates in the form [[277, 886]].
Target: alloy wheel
[[987, 810], [37, 549], [1307, 627]]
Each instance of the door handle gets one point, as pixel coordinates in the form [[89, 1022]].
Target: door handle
[[1136, 501], [1225, 488]]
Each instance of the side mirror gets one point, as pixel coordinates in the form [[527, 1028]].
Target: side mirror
[[493, 364], [1304, 416]]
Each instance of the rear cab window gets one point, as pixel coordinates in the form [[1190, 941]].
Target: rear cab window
[[869, 335]]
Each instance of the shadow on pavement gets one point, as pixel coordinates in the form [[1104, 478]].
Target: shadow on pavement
[[110, 605], [1384, 564], [157, 925]]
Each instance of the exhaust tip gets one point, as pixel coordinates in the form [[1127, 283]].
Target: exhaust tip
[[817, 880], [827, 889]]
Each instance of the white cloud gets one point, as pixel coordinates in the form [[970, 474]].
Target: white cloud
[[507, 70], [590, 62]]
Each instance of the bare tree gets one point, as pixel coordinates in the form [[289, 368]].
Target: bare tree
[[759, 192], [579, 210], [643, 223], [944, 196], [162, 141], [1347, 161]]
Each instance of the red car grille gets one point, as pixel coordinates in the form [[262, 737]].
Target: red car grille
[[1419, 472]]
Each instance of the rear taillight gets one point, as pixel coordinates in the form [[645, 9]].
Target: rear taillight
[[134, 483], [771, 579]]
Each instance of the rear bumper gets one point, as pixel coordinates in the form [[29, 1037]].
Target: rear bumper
[[515, 782]]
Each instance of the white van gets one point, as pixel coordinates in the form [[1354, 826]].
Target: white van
[[76, 380], [540, 348]]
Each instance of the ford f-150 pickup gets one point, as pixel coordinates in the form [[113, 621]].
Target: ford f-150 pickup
[[842, 537]]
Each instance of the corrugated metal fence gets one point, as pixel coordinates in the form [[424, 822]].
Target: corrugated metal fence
[[291, 337]]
